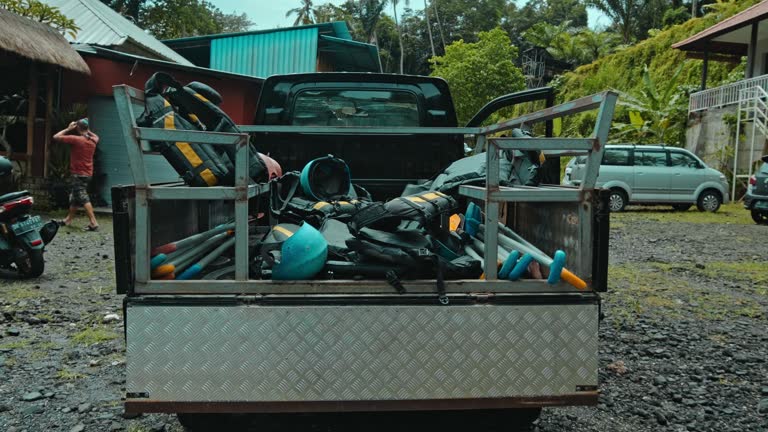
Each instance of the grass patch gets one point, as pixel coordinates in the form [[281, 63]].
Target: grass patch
[[82, 274], [661, 289], [15, 345], [17, 291], [92, 336], [68, 375], [733, 213]]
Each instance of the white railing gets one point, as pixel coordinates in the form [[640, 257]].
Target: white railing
[[724, 95]]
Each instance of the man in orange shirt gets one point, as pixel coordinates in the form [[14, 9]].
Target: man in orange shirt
[[82, 144]]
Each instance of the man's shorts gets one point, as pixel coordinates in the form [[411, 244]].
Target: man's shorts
[[78, 195]]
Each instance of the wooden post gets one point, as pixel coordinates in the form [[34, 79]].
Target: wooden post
[[704, 69], [49, 83], [752, 51], [31, 112]]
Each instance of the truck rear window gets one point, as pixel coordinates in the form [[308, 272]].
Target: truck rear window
[[355, 108]]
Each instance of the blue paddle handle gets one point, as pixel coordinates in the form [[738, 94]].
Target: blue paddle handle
[[520, 267], [157, 261], [509, 264], [556, 268], [190, 273]]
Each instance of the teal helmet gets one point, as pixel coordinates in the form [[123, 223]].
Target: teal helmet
[[326, 179], [302, 255]]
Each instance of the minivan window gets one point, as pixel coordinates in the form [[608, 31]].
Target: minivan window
[[616, 157], [679, 159], [355, 108], [650, 158]]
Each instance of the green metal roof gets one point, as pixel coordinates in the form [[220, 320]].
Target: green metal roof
[[350, 55]]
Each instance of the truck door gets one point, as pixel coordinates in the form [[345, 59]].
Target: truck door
[[651, 175]]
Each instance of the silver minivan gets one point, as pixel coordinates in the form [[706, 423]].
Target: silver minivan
[[655, 174]]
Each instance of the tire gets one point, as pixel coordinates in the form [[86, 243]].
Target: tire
[[709, 200], [617, 201], [32, 265], [760, 217], [682, 207]]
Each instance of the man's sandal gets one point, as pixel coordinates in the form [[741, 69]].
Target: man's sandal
[[91, 228]]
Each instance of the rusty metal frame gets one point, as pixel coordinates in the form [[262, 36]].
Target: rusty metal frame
[[491, 195]]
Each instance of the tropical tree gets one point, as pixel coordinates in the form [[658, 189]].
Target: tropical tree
[[429, 28], [655, 111], [597, 44], [544, 35], [399, 32], [170, 19], [305, 14], [479, 71], [622, 13], [368, 13], [43, 13]]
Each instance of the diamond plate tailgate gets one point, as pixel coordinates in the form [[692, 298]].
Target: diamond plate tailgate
[[332, 353]]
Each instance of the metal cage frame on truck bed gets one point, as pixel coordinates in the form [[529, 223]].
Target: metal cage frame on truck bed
[[492, 194]]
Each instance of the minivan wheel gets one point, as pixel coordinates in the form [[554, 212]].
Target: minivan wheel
[[709, 200], [617, 200], [760, 218], [682, 207]]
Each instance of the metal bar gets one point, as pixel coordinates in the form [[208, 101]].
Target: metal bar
[[602, 128], [340, 287], [175, 135], [188, 193], [584, 398], [751, 60], [548, 144], [358, 130], [553, 194], [491, 209], [142, 233], [569, 108], [736, 148], [241, 209], [133, 145]]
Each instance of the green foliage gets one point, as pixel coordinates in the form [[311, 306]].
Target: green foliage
[[675, 16], [43, 13], [480, 71], [169, 19], [623, 70], [572, 45], [662, 110]]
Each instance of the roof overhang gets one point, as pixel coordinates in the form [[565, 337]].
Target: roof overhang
[[731, 36], [37, 42], [131, 58], [350, 55]]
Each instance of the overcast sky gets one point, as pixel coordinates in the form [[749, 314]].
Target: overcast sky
[[269, 14]]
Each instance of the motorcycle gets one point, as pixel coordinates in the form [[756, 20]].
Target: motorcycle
[[23, 237]]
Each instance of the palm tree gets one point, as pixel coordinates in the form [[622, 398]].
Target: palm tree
[[369, 13], [399, 33], [597, 44], [439, 24], [623, 13], [429, 28], [305, 14]]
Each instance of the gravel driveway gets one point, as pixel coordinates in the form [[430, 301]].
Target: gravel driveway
[[683, 347]]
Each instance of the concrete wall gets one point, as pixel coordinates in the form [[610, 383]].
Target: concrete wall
[[711, 138]]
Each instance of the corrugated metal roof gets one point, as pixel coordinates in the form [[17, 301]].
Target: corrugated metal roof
[[37, 42], [746, 17], [269, 53], [100, 25], [337, 28]]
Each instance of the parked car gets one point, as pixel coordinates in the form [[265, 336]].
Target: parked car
[[655, 174], [756, 199]]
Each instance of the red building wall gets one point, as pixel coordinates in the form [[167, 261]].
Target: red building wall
[[239, 96]]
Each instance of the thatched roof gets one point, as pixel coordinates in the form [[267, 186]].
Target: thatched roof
[[37, 42]]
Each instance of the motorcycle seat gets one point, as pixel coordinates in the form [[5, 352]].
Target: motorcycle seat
[[13, 196]]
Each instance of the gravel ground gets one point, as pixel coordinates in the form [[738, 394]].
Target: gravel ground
[[684, 342]]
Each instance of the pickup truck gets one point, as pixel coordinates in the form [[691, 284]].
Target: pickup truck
[[209, 350]]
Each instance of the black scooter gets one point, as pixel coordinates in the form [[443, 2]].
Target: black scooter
[[22, 237]]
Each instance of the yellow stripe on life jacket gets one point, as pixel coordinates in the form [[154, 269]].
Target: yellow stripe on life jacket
[[280, 229], [193, 118], [208, 177], [415, 199], [201, 97], [169, 122], [431, 196], [320, 204]]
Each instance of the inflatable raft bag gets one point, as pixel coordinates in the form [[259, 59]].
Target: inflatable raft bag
[[411, 250], [526, 166], [196, 164], [424, 209], [199, 103]]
